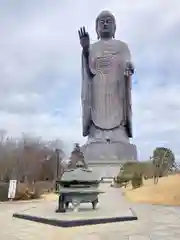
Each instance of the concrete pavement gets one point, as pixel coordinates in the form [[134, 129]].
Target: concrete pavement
[[155, 223]]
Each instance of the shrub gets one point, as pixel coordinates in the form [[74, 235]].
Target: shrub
[[35, 194], [122, 180], [136, 181], [27, 194], [27, 191]]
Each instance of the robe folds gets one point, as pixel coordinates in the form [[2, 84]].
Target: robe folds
[[106, 97]]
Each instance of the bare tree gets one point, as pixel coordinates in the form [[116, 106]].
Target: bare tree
[[24, 159]]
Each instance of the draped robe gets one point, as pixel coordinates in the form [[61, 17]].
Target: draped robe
[[106, 97]]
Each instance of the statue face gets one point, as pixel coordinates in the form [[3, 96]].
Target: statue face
[[105, 25]]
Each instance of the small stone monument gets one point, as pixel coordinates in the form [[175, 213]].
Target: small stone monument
[[106, 97], [77, 157]]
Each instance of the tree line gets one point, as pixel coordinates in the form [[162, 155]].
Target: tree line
[[29, 158], [162, 163], [34, 159]]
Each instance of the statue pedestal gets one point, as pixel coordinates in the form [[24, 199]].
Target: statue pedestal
[[107, 158]]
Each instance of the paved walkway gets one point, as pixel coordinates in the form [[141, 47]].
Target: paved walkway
[[155, 223], [120, 208]]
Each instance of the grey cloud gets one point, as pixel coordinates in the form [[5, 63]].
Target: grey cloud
[[40, 67]]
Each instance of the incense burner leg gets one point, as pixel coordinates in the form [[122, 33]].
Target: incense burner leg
[[67, 205], [94, 203], [61, 204]]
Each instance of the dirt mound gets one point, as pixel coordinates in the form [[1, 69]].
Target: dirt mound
[[166, 192]]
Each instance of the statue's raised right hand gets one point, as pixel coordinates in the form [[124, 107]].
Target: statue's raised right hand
[[84, 38]]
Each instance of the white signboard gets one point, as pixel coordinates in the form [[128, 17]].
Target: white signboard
[[12, 189]]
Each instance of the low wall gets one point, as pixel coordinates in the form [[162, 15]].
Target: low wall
[[105, 169]]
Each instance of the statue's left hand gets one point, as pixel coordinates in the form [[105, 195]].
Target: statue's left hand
[[129, 69]]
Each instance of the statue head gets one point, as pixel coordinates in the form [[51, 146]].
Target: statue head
[[105, 25]]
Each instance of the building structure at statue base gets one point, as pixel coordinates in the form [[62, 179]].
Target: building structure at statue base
[[108, 158]]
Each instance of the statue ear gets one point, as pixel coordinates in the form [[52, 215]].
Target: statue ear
[[114, 30], [98, 35], [97, 29]]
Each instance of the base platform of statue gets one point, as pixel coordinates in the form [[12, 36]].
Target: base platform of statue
[[107, 158]]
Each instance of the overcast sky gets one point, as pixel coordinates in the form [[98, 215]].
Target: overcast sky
[[40, 73]]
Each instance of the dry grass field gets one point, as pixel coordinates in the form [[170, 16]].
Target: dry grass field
[[50, 197], [166, 192]]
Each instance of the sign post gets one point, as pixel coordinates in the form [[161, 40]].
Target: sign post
[[12, 189]]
